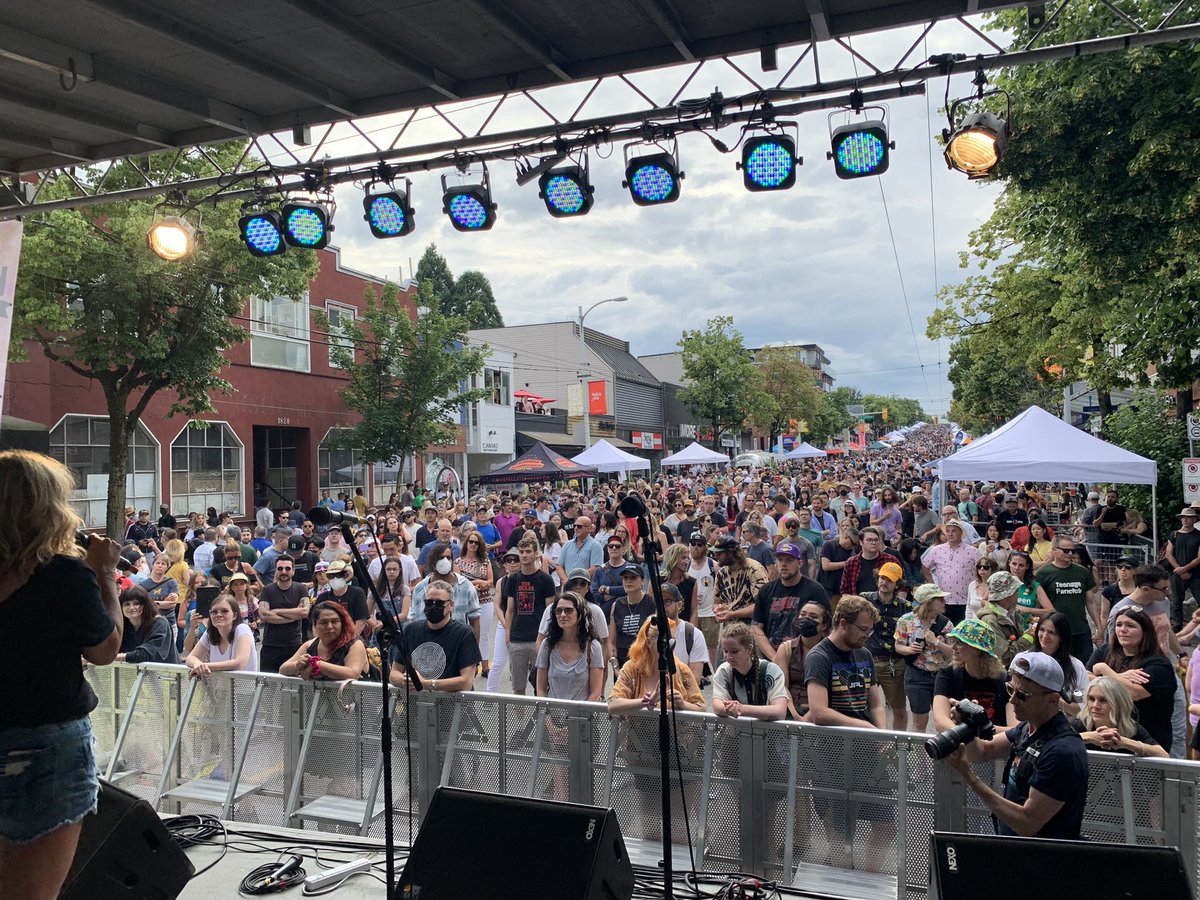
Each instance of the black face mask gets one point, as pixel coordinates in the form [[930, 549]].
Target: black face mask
[[435, 614], [807, 627]]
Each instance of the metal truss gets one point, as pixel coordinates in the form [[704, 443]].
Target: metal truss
[[282, 166]]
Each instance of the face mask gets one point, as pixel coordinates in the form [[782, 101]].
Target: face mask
[[337, 584], [806, 627], [435, 614], [443, 566]]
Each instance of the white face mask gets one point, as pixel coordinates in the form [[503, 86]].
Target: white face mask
[[443, 566], [337, 584]]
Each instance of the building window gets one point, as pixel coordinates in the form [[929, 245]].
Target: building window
[[279, 333], [340, 470], [81, 443], [206, 469], [498, 382], [338, 314], [385, 478]]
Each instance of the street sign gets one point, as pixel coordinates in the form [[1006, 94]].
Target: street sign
[[1193, 427], [1191, 481]]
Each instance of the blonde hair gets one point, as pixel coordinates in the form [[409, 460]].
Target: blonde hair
[[174, 551], [40, 487], [1120, 706]]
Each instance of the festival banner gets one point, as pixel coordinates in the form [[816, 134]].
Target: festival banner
[[597, 398], [10, 255]]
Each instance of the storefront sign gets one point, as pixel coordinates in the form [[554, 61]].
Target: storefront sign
[[647, 440]]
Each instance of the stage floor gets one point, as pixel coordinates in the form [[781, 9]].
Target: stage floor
[[222, 880]]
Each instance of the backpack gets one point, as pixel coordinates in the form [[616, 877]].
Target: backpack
[[689, 637]]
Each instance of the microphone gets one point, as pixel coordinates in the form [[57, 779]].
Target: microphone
[[323, 515], [633, 507]]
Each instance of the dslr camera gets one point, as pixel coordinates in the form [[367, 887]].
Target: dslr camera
[[973, 723]]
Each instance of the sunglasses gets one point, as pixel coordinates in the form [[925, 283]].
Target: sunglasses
[[1017, 694], [564, 611], [439, 604]]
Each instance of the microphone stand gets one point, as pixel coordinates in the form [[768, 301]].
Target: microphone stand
[[633, 507], [390, 634]]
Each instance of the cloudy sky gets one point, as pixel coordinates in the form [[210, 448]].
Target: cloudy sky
[[812, 264]]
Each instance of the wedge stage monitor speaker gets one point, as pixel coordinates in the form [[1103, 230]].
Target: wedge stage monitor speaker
[[536, 849], [125, 853], [988, 867]]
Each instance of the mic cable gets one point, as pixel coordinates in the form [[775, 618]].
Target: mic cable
[[273, 877]]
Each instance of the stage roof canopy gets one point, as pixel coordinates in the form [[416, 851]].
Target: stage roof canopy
[[88, 80]]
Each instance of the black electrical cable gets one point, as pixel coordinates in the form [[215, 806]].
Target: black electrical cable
[[190, 830], [273, 877]]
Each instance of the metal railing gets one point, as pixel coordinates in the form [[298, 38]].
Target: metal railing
[[847, 811]]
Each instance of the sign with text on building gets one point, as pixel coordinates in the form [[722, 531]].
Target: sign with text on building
[[1191, 481], [597, 398], [647, 440]]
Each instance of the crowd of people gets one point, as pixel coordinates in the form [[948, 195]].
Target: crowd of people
[[491, 584], [854, 591]]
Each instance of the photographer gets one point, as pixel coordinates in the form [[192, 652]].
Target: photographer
[[1046, 776]]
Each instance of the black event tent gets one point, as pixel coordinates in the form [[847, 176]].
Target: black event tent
[[538, 463]]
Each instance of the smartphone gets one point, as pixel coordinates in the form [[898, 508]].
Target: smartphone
[[204, 599]]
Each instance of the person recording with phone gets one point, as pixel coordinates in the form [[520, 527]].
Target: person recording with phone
[[1046, 775], [48, 773]]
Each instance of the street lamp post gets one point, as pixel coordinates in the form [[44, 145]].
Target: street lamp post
[[583, 374]]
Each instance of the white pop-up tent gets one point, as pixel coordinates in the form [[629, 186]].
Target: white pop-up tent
[[1037, 446], [694, 454], [804, 450], [604, 457]]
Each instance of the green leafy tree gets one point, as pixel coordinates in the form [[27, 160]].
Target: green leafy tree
[[785, 390], [1094, 242], [94, 298], [989, 389], [472, 299], [409, 376], [434, 269], [833, 416], [721, 376], [901, 410], [1148, 428]]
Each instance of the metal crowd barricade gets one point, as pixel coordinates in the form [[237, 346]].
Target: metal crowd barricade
[[841, 811]]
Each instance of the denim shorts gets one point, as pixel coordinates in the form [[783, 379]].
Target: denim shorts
[[48, 778]]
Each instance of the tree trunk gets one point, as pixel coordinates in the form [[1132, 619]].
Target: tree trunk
[[118, 463], [1104, 401], [716, 435], [1184, 402]]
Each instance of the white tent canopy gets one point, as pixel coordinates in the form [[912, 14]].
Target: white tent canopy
[[1037, 446], [695, 455], [604, 457], [804, 450]]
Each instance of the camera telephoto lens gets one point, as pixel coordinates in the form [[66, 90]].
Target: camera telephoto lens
[[946, 742]]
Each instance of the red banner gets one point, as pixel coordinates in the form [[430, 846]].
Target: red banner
[[647, 440], [597, 398]]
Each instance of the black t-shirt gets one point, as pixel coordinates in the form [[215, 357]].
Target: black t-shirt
[[778, 605], [567, 527], [48, 624], [835, 553], [1186, 545], [687, 590], [1009, 522], [355, 601], [529, 593], [1155, 711], [425, 536], [868, 576], [274, 597], [849, 676], [1060, 772], [305, 564], [437, 652], [685, 529], [627, 619], [955, 683]]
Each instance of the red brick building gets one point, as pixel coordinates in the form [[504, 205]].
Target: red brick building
[[270, 430]]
